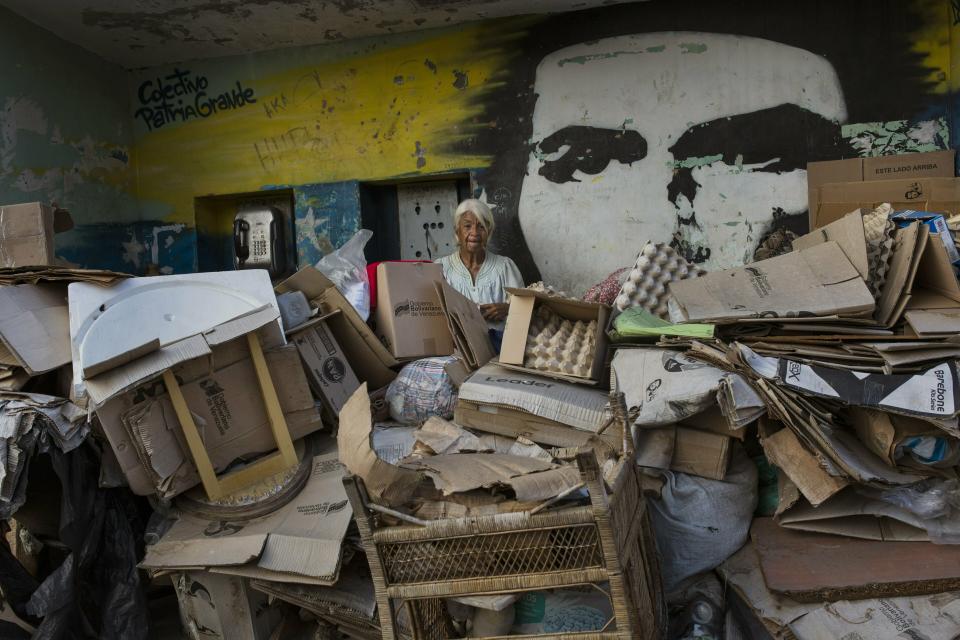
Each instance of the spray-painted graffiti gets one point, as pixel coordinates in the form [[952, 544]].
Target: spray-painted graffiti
[[673, 143], [590, 131], [181, 96], [623, 129]]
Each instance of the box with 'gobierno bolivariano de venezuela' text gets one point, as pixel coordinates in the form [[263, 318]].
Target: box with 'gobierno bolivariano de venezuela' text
[[409, 318]]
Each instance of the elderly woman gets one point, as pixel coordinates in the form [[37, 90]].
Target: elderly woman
[[474, 271]]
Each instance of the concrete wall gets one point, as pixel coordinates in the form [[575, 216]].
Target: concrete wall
[[688, 123], [591, 132], [65, 137]]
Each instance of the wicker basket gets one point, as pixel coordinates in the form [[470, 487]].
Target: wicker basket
[[609, 541]]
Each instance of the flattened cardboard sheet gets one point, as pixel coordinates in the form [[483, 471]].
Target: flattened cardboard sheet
[[819, 281], [35, 327], [303, 538]]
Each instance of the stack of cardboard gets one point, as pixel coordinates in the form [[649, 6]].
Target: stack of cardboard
[[850, 342]]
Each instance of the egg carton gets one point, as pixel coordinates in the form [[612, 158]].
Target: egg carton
[[646, 285], [878, 230], [560, 345], [542, 287]]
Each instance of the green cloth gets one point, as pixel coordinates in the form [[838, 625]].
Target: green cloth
[[637, 322]]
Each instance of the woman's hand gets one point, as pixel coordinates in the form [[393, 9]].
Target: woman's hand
[[495, 311]]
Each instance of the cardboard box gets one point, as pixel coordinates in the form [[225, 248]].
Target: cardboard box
[[370, 360], [499, 393], [409, 318], [835, 200], [300, 542], [34, 327], [818, 281], [522, 305], [223, 607], [26, 233], [222, 392], [699, 453], [328, 370], [936, 164]]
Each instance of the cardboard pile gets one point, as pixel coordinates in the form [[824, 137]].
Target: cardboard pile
[[291, 496]]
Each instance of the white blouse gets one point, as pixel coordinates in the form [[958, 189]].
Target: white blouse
[[496, 274]]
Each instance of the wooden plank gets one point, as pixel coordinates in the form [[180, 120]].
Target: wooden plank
[[285, 458], [815, 567], [197, 451], [278, 424]]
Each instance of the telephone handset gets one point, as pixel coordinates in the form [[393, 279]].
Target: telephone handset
[[258, 240]]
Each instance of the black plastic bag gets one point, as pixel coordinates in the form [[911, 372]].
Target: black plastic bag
[[96, 592]]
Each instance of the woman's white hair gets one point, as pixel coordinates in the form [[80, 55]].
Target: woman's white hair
[[477, 208]]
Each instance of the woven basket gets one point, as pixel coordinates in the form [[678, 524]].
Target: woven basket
[[610, 541]]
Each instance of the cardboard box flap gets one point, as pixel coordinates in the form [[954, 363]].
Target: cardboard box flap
[[104, 386], [193, 551], [819, 281], [370, 360], [941, 195], [929, 164], [847, 232], [470, 331], [35, 326], [851, 514], [386, 484], [110, 383], [927, 322], [329, 372], [935, 273], [25, 220], [457, 473]]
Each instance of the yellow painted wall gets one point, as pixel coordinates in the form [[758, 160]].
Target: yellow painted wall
[[386, 112]]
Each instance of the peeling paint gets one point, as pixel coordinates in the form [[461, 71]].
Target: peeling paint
[[132, 250], [584, 59], [167, 241], [420, 154], [692, 47], [900, 136], [690, 163]]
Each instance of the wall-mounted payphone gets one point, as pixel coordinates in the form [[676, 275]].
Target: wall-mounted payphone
[[258, 240]]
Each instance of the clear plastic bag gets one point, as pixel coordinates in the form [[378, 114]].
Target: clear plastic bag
[[929, 499], [347, 269]]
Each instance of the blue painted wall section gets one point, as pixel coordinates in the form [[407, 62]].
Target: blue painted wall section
[[326, 216], [65, 137]]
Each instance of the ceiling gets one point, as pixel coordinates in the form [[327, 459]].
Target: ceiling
[[143, 33]]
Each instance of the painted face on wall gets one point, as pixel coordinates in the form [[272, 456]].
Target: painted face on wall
[[696, 139]]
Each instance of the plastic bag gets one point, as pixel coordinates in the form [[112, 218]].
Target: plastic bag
[[568, 610], [930, 499], [96, 592], [347, 269], [423, 389], [699, 522]]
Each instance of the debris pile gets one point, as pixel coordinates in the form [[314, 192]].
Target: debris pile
[[770, 450]]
